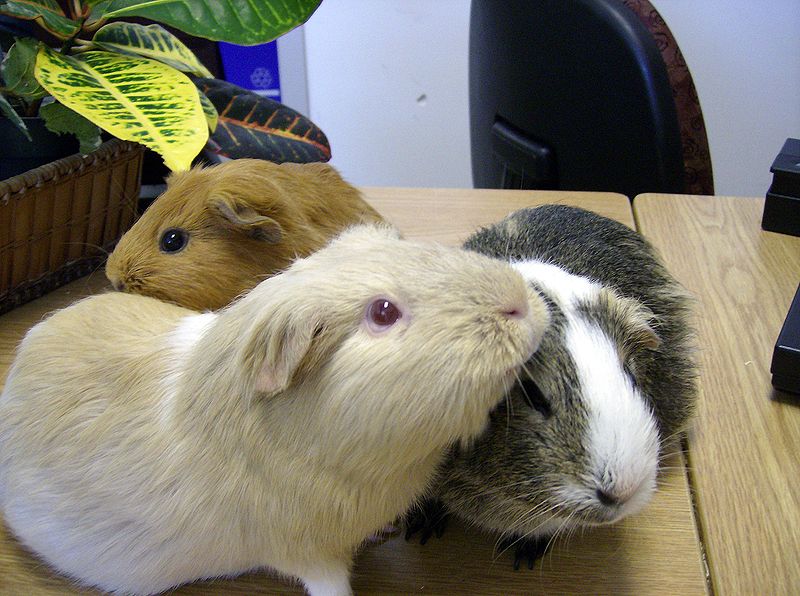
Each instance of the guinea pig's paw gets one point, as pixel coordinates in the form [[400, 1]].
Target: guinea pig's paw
[[387, 532], [526, 549], [429, 517]]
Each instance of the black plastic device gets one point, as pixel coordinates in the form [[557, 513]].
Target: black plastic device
[[785, 367], [782, 205]]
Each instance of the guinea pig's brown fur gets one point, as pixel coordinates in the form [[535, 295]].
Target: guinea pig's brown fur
[[144, 445], [239, 222]]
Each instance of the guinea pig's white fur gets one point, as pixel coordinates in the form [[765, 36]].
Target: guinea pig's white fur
[[143, 445], [622, 433]]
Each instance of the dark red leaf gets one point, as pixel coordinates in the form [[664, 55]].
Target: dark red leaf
[[254, 126]]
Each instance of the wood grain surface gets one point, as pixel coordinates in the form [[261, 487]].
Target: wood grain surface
[[744, 451], [449, 215], [654, 552]]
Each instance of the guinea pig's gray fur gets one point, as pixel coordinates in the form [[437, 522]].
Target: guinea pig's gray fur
[[144, 445], [579, 439]]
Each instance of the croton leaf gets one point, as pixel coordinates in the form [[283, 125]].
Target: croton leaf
[[254, 126], [18, 67], [134, 99], [210, 111], [47, 13], [242, 22], [59, 119], [9, 112], [151, 41]]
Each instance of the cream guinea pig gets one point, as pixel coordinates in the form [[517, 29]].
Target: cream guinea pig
[[218, 231], [144, 445]]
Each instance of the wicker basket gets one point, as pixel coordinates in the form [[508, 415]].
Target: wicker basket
[[59, 221]]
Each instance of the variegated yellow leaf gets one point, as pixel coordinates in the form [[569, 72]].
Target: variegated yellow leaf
[[135, 99], [151, 41]]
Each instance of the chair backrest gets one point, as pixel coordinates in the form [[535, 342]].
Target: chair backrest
[[574, 95], [697, 168]]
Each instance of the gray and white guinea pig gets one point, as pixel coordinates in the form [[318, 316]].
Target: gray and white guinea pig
[[218, 231], [144, 445], [580, 437]]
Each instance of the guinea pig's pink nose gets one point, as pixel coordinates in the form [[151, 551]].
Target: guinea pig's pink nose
[[517, 310], [118, 285]]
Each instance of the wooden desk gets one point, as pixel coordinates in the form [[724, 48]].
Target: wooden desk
[[655, 552], [744, 450]]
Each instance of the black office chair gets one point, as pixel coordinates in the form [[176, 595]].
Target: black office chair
[[582, 95]]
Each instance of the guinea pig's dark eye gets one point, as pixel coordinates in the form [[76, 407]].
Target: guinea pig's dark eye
[[173, 240], [534, 397], [382, 314]]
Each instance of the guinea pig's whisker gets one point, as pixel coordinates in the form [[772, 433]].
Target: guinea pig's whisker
[[543, 511], [522, 537], [671, 453], [509, 404], [90, 245], [568, 530], [537, 518], [671, 438], [682, 464], [673, 468], [573, 530], [564, 527], [525, 517]]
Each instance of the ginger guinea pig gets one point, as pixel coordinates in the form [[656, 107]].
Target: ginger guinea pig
[[218, 231], [164, 445], [579, 441]]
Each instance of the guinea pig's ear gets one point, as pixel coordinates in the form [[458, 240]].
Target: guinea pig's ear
[[631, 322], [640, 333], [275, 348], [642, 336], [236, 213]]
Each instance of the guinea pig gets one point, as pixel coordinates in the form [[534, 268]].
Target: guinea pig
[[218, 231], [579, 439], [144, 445]]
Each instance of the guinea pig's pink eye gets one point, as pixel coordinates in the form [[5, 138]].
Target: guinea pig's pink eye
[[382, 314], [173, 240]]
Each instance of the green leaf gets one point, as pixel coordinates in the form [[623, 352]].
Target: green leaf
[[9, 112], [17, 70], [135, 99], [254, 126], [210, 111], [47, 13], [152, 41], [245, 23], [59, 119]]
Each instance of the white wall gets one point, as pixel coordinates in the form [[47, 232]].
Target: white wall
[[744, 57], [387, 82]]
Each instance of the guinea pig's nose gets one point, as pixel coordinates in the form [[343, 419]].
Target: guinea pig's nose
[[606, 498], [517, 310], [118, 285]]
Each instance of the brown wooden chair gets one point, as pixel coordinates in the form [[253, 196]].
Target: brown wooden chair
[[698, 172]]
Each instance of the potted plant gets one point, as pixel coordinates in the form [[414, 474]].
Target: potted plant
[[129, 79], [82, 70]]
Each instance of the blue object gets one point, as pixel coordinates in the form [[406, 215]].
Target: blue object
[[252, 67]]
